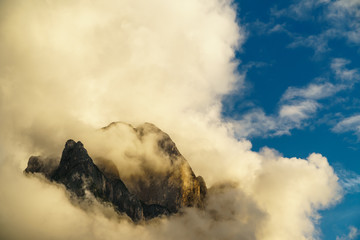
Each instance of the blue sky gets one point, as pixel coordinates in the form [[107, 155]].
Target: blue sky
[[301, 91]]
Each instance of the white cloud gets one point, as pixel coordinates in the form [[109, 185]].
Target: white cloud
[[278, 28], [298, 111], [291, 115], [300, 10], [352, 235], [256, 123], [313, 91], [342, 9], [348, 4], [317, 42], [343, 16], [349, 181], [354, 232], [338, 65], [296, 106], [348, 124], [299, 104], [69, 67], [351, 184], [341, 19], [270, 27], [297, 203]]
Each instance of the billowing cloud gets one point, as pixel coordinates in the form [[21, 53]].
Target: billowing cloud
[[70, 68]]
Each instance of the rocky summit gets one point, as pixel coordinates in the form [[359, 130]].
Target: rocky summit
[[174, 188], [141, 196]]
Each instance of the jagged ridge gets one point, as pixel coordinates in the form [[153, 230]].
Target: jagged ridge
[[143, 196], [79, 174]]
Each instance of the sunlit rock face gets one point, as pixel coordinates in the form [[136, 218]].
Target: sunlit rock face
[[173, 184], [162, 183]]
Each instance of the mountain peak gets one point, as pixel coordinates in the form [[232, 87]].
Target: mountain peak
[[175, 185], [72, 146], [141, 196]]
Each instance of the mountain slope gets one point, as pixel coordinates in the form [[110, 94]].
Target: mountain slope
[[141, 195]]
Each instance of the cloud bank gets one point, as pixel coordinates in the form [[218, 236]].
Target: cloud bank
[[69, 68]]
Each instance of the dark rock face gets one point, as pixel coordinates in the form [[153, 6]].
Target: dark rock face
[[46, 166], [79, 174], [141, 196]]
